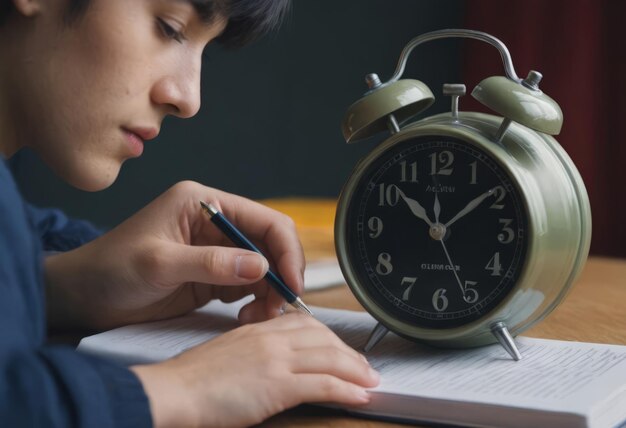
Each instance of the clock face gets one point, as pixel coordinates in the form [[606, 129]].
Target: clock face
[[436, 232]]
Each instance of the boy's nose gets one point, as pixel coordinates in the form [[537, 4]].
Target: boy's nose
[[180, 91]]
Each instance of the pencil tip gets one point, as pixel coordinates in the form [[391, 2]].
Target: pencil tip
[[299, 304], [210, 209]]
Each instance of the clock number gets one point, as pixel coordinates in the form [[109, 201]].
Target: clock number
[[470, 295], [375, 225], [384, 266], [508, 233], [440, 301], [494, 265], [446, 158], [474, 167], [499, 193], [413, 172], [389, 195], [410, 281]]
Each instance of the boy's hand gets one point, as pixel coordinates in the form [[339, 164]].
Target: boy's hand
[[169, 258], [251, 373]]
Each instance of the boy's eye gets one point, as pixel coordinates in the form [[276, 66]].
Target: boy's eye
[[169, 31]]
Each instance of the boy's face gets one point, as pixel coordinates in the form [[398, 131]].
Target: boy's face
[[91, 92]]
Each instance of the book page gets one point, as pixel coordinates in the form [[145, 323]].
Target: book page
[[159, 340], [323, 273], [552, 374]]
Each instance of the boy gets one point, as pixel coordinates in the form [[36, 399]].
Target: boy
[[85, 83]]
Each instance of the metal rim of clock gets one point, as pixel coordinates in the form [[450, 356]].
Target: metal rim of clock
[[455, 336]]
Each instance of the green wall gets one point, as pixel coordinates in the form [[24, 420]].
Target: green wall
[[270, 119]]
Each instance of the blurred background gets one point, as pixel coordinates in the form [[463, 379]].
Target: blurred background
[[271, 112]]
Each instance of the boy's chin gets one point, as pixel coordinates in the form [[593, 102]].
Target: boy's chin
[[92, 179]]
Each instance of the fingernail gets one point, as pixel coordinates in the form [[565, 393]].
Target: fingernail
[[364, 358], [363, 395], [374, 374], [250, 266], [245, 317]]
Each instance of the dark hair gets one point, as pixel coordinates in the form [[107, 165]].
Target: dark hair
[[248, 20]]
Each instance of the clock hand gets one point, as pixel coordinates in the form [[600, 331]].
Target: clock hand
[[471, 206], [417, 210], [437, 208], [456, 275]]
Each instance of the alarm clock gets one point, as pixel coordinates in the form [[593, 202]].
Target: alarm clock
[[461, 229]]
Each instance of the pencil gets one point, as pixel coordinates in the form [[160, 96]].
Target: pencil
[[241, 241]]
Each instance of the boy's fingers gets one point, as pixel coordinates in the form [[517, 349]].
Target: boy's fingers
[[176, 264]]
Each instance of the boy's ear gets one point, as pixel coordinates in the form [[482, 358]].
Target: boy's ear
[[27, 7]]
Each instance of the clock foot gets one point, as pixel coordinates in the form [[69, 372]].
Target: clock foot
[[505, 339], [375, 336]]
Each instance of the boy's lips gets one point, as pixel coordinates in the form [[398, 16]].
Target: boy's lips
[[144, 133], [137, 136]]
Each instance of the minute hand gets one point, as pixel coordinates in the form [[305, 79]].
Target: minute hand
[[471, 205]]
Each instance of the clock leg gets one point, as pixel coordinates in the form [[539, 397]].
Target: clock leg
[[375, 336], [505, 339]]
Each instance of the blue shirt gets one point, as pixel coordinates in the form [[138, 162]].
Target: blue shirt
[[41, 384]]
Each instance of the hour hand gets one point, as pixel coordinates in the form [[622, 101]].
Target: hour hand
[[415, 207]]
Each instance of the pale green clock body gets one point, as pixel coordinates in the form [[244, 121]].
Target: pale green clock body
[[558, 232], [521, 232]]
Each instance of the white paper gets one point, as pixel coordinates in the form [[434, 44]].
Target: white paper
[[324, 273], [552, 374]]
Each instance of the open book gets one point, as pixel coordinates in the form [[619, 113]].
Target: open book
[[564, 384]]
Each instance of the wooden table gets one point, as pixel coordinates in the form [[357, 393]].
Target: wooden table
[[594, 310]]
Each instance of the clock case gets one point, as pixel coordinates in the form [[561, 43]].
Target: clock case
[[552, 191]]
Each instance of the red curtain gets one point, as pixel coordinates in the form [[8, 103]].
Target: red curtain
[[579, 47]]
